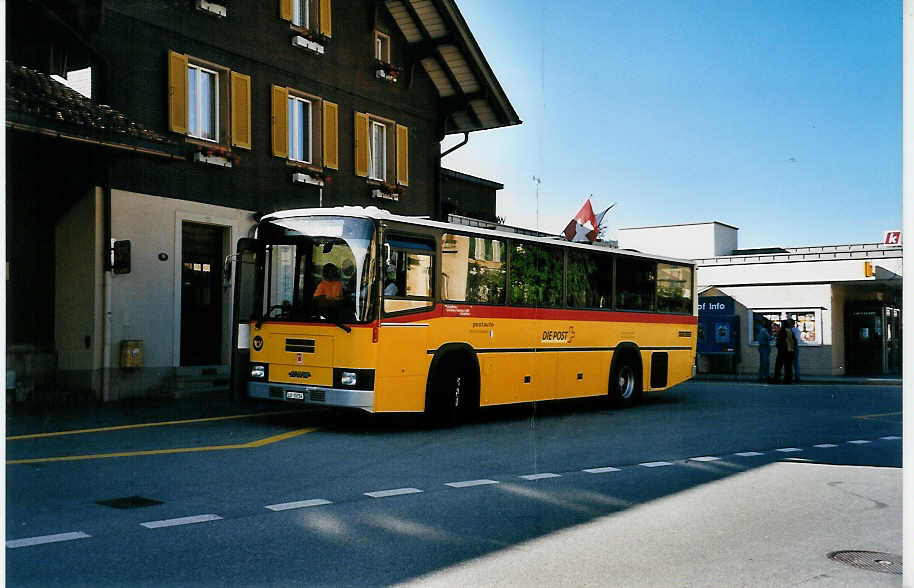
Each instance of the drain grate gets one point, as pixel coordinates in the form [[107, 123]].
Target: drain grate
[[129, 502], [873, 561]]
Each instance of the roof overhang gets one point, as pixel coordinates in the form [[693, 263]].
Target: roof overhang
[[439, 39]]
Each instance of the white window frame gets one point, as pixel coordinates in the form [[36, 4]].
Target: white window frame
[[308, 132], [382, 47], [198, 104], [373, 162], [301, 13]]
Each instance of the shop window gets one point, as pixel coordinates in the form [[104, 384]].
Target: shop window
[[809, 322], [473, 269]]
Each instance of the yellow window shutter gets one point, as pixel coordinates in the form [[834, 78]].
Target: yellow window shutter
[[326, 18], [285, 9], [331, 136], [361, 144], [177, 92], [402, 155], [241, 110], [279, 98]]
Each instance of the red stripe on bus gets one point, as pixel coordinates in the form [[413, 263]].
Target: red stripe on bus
[[551, 314]]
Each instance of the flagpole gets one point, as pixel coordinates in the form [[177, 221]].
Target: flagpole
[[537, 181]]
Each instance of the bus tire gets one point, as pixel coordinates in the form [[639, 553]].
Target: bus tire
[[452, 394], [625, 380]]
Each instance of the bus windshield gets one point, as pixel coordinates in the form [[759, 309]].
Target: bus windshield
[[318, 268]]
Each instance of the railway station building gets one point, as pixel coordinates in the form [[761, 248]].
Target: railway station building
[[845, 299]]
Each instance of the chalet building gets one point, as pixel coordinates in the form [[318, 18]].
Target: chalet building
[[195, 118]]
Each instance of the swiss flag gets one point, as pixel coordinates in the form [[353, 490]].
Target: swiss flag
[[583, 227]]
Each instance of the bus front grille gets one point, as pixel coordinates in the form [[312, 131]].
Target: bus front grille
[[318, 396], [300, 345]]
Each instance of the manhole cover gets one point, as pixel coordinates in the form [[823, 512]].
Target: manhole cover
[[869, 560], [129, 502]]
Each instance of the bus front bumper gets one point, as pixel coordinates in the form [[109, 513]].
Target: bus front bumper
[[316, 395]]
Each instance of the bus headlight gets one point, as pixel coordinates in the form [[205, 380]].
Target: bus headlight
[[348, 379], [258, 371]]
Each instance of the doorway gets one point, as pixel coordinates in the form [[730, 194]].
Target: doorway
[[202, 249], [873, 339]]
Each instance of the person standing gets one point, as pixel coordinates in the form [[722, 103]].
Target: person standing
[[764, 350], [798, 336], [786, 344]]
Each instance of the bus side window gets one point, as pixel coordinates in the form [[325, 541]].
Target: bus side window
[[407, 275]]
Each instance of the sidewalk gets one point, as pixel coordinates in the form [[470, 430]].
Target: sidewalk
[[845, 380]]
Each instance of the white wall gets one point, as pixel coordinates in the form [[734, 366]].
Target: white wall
[[695, 241], [78, 293], [850, 270], [146, 302]]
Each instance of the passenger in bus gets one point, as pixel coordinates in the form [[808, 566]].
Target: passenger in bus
[[329, 291], [390, 286]]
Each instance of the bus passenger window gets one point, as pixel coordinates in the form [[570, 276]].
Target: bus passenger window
[[674, 288], [474, 269], [590, 276], [407, 276], [536, 275], [636, 283]]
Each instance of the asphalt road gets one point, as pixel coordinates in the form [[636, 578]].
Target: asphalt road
[[706, 484]]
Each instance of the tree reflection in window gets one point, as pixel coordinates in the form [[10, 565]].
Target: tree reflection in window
[[536, 275]]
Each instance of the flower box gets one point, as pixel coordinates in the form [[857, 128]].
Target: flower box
[[307, 44], [212, 159], [304, 178], [212, 7], [383, 195]]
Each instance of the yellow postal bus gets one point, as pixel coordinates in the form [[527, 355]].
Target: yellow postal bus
[[357, 307]]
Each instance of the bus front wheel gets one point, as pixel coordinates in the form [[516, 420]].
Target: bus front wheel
[[624, 382], [450, 396]]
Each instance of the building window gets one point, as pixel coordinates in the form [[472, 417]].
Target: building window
[[301, 13], [381, 149], [377, 152], [300, 129], [202, 103], [808, 321], [381, 47]]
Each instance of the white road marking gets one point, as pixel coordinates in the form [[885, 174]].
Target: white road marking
[[705, 458], [395, 492], [601, 470], [655, 464], [825, 445], [789, 449], [30, 541], [299, 504], [890, 438], [749, 454], [539, 476], [181, 521], [859, 442], [469, 483]]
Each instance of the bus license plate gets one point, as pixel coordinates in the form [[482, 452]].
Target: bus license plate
[[290, 395]]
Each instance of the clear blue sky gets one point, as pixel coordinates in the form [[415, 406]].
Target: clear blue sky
[[782, 118]]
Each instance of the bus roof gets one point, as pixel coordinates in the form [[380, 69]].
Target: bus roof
[[372, 212]]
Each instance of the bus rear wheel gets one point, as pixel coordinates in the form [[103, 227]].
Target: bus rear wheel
[[624, 383]]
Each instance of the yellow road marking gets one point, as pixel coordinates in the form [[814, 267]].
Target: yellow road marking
[[143, 425], [876, 417], [249, 445]]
